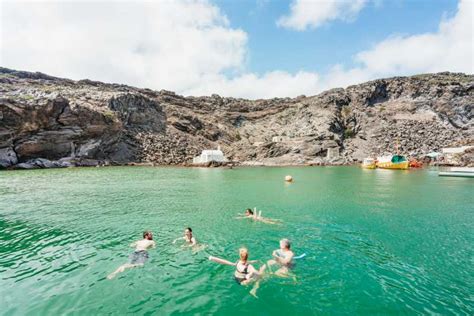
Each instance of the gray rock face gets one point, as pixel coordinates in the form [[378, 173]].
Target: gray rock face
[[88, 122], [7, 157]]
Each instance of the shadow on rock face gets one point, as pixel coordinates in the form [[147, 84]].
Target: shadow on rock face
[[139, 112]]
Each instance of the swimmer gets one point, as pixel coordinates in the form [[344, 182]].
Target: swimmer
[[257, 216], [282, 257], [139, 256], [247, 214], [188, 238], [245, 272]]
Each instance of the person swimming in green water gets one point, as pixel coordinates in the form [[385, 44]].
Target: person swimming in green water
[[282, 257], [245, 272], [188, 238], [139, 256], [257, 216]]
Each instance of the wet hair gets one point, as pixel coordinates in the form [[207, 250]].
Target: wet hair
[[189, 228], [147, 234], [244, 254], [286, 243], [250, 211]]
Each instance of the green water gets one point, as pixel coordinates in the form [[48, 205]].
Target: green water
[[378, 241]]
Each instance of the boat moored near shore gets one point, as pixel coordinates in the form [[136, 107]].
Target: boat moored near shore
[[458, 172], [392, 162]]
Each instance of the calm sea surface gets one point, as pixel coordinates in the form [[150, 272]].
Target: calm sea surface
[[377, 241]]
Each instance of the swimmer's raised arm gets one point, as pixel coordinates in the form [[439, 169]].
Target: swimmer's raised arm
[[222, 261], [174, 241]]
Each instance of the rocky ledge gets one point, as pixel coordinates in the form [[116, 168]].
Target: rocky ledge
[[53, 122]]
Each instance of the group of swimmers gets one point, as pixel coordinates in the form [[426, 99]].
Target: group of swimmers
[[245, 273]]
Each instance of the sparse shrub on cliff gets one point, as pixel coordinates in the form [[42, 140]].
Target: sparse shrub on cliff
[[109, 115], [346, 112], [349, 133]]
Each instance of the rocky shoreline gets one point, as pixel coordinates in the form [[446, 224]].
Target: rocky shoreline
[[49, 122]]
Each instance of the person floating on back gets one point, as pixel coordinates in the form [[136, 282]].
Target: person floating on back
[[139, 256], [245, 272], [257, 216], [188, 237]]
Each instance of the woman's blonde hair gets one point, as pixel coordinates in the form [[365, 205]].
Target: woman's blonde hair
[[244, 254]]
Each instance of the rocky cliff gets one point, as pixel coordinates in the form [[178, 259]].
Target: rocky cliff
[[47, 121]]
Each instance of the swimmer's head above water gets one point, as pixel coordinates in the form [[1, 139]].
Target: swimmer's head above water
[[248, 212], [147, 235], [188, 232], [285, 244], [243, 254]]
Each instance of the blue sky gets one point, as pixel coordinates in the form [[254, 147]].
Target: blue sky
[[271, 46], [243, 48]]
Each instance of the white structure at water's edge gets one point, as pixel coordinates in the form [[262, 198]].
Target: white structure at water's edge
[[210, 155]]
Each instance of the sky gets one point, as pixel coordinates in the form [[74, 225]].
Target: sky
[[238, 48]]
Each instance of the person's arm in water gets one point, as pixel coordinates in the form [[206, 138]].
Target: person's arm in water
[[193, 241], [222, 261], [174, 241], [153, 244], [133, 244]]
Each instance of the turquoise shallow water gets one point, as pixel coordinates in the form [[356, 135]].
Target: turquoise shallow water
[[378, 241]]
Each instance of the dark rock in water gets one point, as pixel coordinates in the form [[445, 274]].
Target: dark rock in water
[[91, 122], [7, 157], [42, 163], [88, 163], [25, 165]]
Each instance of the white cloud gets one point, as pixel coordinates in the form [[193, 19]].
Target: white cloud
[[189, 47], [306, 14], [160, 44], [451, 48]]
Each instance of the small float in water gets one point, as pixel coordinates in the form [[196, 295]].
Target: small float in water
[[392, 162], [288, 178], [458, 172], [368, 163]]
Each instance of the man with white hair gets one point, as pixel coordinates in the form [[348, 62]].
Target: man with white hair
[[283, 257]]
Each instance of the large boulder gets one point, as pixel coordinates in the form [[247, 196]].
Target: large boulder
[[7, 157]]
